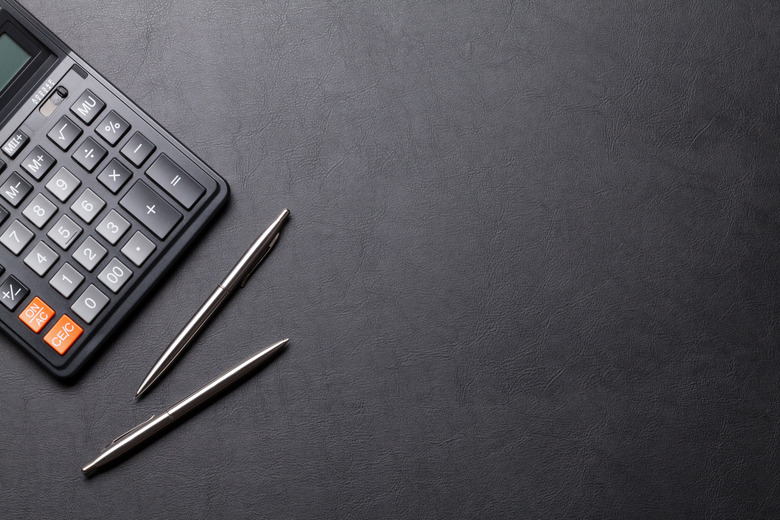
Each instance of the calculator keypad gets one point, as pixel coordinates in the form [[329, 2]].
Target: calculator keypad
[[114, 176], [90, 303], [80, 243], [15, 189], [63, 184], [115, 275], [89, 154], [15, 144], [176, 183], [113, 128], [88, 205], [150, 209], [138, 149], [87, 107], [12, 292], [41, 259], [138, 249], [63, 334], [64, 133], [66, 280], [89, 254], [16, 237], [40, 210], [38, 163], [113, 227]]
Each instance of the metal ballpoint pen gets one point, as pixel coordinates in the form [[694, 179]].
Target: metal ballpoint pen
[[236, 278], [155, 424]]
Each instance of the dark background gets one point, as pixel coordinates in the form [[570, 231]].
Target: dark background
[[531, 270]]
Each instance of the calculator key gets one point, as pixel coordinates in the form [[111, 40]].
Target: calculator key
[[90, 303], [87, 107], [38, 163], [15, 143], [150, 209], [63, 184], [41, 259], [15, 189], [113, 227], [64, 232], [89, 154], [112, 128], [115, 275], [12, 292], [40, 211], [178, 184], [88, 206], [89, 254], [114, 176], [3, 215], [16, 237], [62, 336], [36, 315], [66, 280], [138, 149], [64, 133], [138, 249]]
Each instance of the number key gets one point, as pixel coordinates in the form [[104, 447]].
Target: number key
[[64, 232], [90, 303], [88, 206], [113, 227], [115, 275], [41, 259], [67, 280], [16, 237], [89, 254], [63, 184], [40, 211]]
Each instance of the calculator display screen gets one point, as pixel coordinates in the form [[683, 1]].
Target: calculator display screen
[[12, 58]]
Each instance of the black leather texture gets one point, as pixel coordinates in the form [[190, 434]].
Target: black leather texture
[[532, 267]]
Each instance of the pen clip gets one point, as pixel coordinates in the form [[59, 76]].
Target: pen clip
[[128, 432], [259, 261]]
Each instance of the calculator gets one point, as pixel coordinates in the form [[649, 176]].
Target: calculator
[[97, 200]]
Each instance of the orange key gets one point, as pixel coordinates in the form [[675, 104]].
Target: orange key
[[36, 315], [63, 334]]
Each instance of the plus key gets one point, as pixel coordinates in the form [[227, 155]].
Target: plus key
[[150, 209]]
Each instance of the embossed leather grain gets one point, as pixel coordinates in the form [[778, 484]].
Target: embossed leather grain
[[531, 270]]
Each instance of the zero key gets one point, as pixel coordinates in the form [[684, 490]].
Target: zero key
[[150, 209]]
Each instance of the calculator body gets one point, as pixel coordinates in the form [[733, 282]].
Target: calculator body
[[97, 200]]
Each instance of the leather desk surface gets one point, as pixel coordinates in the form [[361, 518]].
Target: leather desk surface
[[532, 269]]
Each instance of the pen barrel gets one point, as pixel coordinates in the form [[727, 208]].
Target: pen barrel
[[191, 329], [222, 383]]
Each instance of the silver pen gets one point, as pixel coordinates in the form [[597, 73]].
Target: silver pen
[[236, 278], [156, 423]]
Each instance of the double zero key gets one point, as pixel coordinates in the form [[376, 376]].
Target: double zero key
[[150, 209]]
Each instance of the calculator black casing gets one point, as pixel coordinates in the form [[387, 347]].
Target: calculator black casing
[[18, 102]]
